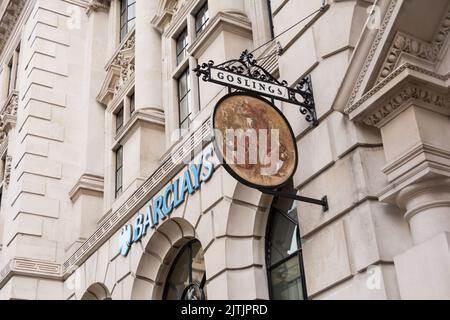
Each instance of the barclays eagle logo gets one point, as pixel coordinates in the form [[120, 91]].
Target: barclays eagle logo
[[125, 240]]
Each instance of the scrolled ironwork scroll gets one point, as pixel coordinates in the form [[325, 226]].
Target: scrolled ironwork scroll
[[245, 74]]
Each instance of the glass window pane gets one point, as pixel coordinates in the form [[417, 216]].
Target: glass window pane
[[198, 262], [184, 109], [123, 5], [127, 17], [119, 119], [132, 11], [181, 42], [189, 267], [119, 158], [286, 281], [123, 33], [201, 19], [183, 85], [181, 46], [132, 103], [119, 179], [283, 238], [131, 24], [179, 277]]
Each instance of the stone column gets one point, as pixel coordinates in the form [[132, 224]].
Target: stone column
[[86, 194], [412, 113], [148, 58]]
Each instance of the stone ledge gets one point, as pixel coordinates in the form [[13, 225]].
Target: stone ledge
[[30, 268], [140, 118], [222, 22], [87, 184], [415, 157]]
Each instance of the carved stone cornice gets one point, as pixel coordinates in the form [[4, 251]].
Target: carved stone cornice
[[406, 83], [120, 70], [409, 92], [9, 19], [140, 117], [373, 50], [402, 44], [164, 14], [8, 167], [407, 44], [87, 184], [96, 5]]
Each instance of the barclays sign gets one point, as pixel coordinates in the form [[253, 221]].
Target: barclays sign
[[161, 207]]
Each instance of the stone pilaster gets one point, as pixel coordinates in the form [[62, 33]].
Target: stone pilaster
[[411, 107]]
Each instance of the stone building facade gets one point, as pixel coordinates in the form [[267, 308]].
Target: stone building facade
[[101, 113]]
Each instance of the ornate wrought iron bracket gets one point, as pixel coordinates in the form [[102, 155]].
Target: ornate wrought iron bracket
[[322, 202], [246, 75]]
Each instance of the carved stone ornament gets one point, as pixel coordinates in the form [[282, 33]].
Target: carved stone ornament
[[99, 4], [438, 100], [8, 21], [119, 71], [8, 166], [404, 43], [410, 92], [8, 115]]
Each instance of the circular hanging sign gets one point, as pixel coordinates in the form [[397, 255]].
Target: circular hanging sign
[[254, 141]]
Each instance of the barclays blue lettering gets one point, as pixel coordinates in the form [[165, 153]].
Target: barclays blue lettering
[[160, 208]]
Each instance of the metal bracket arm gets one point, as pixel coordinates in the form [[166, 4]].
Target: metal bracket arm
[[323, 202]]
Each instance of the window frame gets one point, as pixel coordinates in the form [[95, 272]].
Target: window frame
[[120, 111], [124, 18], [186, 96], [132, 102], [268, 245], [118, 189], [182, 54], [187, 246], [13, 69], [201, 13]]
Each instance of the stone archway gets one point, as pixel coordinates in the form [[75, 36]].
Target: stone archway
[[159, 252], [96, 291], [232, 235]]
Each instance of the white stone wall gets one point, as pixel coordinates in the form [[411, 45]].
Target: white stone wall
[[60, 218]]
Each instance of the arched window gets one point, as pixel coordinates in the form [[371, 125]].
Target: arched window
[[284, 253], [187, 277]]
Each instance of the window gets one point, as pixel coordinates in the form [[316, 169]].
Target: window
[[119, 171], [132, 103], [119, 119], [127, 17], [184, 100], [3, 168], [11, 77], [187, 277], [284, 253], [201, 19], [13, 68], [182, 43]]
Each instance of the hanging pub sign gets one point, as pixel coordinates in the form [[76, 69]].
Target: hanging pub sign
[[254, 141]]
